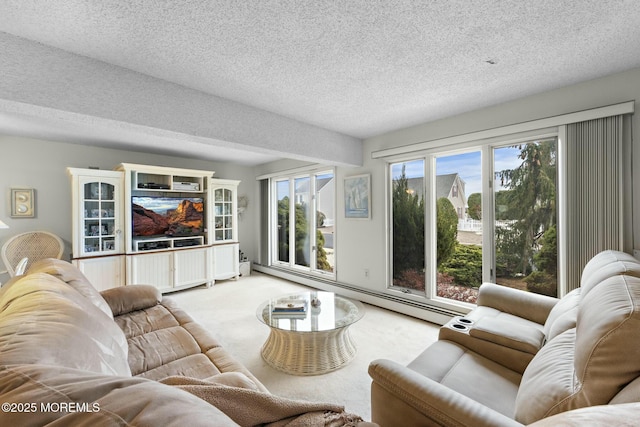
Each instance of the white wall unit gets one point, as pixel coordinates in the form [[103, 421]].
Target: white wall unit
[[225, 210], [172, 254], [171, 270], [226, 257], [192, 267], [97, 211], [152, 189], [225, 261], [154, 269], [103, 272], [169, 248]]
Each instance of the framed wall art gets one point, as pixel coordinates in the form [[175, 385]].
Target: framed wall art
[[23, 203], [357, 197]]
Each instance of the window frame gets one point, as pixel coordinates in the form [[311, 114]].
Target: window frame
[[486, 147], [274, 260]]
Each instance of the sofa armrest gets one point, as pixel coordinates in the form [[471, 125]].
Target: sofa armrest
[[125, 299], [508, 334], [528, 305], [436, 402]]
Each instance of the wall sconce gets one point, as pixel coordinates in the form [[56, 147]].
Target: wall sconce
[[3, 225], [23, 203]]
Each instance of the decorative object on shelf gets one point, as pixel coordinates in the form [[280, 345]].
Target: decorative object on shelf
[[357, 197], [315, 302], [23, 203]]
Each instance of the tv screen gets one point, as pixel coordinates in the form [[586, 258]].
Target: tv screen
[[167, 216]]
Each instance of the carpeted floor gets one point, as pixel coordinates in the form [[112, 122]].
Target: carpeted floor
[[228, 311]]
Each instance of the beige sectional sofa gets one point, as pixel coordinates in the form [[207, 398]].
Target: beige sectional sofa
[[520, 358], [72, 356]]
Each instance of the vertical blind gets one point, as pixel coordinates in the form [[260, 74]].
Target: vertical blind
[[595, 206]]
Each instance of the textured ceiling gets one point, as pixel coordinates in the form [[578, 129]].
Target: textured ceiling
[[357, 67]]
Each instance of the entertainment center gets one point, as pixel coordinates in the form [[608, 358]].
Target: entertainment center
[[141, 224]]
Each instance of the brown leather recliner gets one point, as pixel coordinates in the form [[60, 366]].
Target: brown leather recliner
[[561, 355]]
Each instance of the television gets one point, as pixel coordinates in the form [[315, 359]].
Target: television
[[155, 216]]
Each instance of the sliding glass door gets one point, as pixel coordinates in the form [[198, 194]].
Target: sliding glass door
[[453, 227], [304, 230]]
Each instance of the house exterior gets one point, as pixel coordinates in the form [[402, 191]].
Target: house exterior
[[451, 186]]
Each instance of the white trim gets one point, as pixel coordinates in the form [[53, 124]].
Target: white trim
[[561, 214], [295, 171], [534, 125]]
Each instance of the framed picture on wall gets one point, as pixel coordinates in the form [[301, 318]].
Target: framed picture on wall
[[357, 197], [23, 203]]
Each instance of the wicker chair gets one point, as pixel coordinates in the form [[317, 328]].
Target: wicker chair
[[33, 245]]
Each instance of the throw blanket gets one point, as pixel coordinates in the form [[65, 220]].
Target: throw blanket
[[255, 408]]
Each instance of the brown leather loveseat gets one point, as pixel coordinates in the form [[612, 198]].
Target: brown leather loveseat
[[520, 359]]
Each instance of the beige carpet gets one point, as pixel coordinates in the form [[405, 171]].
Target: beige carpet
[[228, 311]]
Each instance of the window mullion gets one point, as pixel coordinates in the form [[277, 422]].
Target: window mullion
[[313, 209], [292, 222], [430, 228], [488, 216]]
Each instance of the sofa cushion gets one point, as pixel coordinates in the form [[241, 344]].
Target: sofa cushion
[[165, 341], [590, 364], [563, 315], [606, 264], [125, 299], [626, 415], [630, 393], [45, 321], [74, 278], [470, 374]]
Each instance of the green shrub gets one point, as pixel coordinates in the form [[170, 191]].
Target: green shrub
[[465, 265], [542, 283]]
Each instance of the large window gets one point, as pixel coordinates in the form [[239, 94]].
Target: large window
[[481, 214], [304, 230]]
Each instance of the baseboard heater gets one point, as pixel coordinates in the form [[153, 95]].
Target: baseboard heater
[[410, 308]]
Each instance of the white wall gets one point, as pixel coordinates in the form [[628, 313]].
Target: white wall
[[30, 163], [362, 244]]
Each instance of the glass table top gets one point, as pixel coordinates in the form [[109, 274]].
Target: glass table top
[[311, 311]]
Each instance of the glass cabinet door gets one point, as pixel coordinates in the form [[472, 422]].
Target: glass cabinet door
[[223, 214], [98, 217]]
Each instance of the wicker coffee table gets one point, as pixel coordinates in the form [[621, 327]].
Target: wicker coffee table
[[314, 342]]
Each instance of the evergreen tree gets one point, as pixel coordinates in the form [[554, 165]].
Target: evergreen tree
[[474, 203], [321, 254], [302, 235], [283, 229], [408, 228], [447, 229], [530, 201]]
